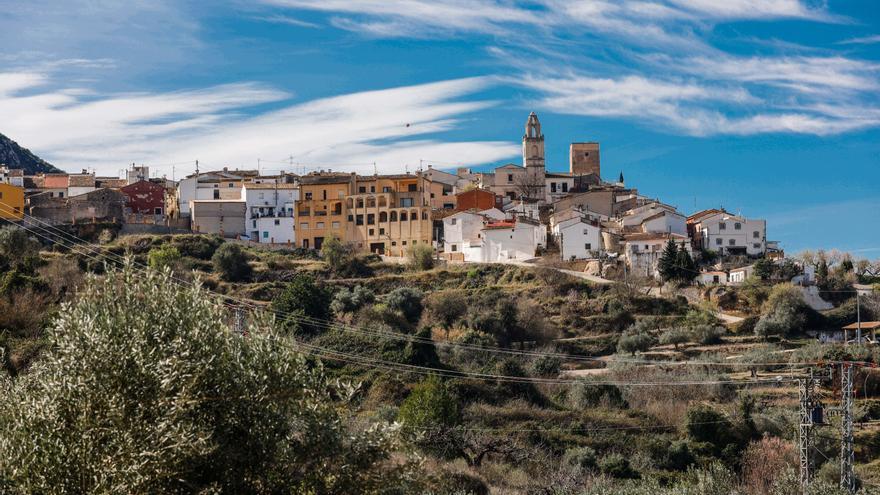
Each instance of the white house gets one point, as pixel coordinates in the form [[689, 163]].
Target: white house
[[523, 208], [208, 185], [12, 176], [557, 186], [512, 241], [739, 275], [578, 238], [712, 278], [723, 232], [642, 250], [460, 231], [269, 216], [654, 217]]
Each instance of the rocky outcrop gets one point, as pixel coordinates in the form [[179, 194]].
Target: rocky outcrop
[[14, 156]]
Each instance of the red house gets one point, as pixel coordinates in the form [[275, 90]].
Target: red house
[[144, 197], [477, 199]]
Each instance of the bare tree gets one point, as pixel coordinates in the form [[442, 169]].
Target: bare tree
[[529, 185]]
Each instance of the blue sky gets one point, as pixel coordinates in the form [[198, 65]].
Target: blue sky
[[768, 107]]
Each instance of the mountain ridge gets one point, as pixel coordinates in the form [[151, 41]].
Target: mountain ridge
[[14, 155]]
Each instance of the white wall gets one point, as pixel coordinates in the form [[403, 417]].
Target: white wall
[[574, 235], [517, 243], [751, 234], [77, 190], [460, 229], [269, 214]]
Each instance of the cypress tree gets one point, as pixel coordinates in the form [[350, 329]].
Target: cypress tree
[[668, 261], [685, 269]]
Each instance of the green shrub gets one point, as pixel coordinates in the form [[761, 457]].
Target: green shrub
[[184, 405], [617, 466], [707, 334], [546, 366], [421, 257], [406, 301], [165, 256], [675, 336], [634, 343], [342, 259], [350, 301], [197, 246], [582, 457], [784, 312], [231, 262], [585, 395], [303, 305]]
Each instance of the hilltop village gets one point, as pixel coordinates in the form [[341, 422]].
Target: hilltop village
[[517, 213]]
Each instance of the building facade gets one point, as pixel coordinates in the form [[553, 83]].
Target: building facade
[[384, 214], [269, 213], [144, 198], [11, 202], [728, 234]]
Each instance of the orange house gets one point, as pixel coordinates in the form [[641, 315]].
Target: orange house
[[11, 202]]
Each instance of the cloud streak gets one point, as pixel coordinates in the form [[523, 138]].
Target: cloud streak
[[218, 125]]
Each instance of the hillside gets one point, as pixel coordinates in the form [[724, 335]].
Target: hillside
[[14, 156], [496, 378]]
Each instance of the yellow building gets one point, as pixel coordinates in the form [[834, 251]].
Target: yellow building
[[383, 214], [11, 202]]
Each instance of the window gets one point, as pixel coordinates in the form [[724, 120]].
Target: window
[[157, 211], [277, 222], [588, 246], [553, 187], [756, 235], [386, 189], [756, 245], [393, 243], [722, 226], [393, 216], [371, 202], [403, 243], [323, 194], [371, 219], [403, 216], [719, 241], [359, 220], [424, 215], [406, 202], [360, 203], [334, 225], [731, 242], [265, 234], [351, 218], [509, 177], [413, 188], [362, 189], [319, 225], [565, 187], [304, 226], [308, 196], [381, 231], [340, 194], [415, 242], [372, 189], [383, 216], [453, 221], [216, 194], [737, 226], [454, 248], [229, 185], [448, 206], [371, 232], [262, 195], [586, 231], [432, 195]]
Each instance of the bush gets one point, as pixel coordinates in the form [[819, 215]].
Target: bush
[[546, 366], [617, 466], [447, 307], [303, 305], [584, 395], [784, 312], [407, 302], [231, 262], [634, 343], [421, 256], [675, 336], [201, 247], [707, 334], [184, 405], [342, 259], [165, 256], [582, 457], [350, 301], [705, 424]]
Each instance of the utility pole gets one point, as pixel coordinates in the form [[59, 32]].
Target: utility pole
[[805, 431], [847, 480]]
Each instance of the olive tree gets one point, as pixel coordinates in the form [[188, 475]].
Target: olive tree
[[143, 389]]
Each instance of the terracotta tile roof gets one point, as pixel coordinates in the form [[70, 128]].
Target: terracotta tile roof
[[270, 186], [87, 180], [55, 181], [865, 325], [696, 217]]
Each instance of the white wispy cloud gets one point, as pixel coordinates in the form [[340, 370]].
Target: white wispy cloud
[[864, 40], [74, 127]]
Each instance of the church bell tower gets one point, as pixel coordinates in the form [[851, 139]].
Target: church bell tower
[[533, 143]]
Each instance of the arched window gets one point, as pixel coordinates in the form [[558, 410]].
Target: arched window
[[383, 217], [414, 215], [383, 201], [424, 215], [371, 202], [360, 203], [403, 216], [337, 208], [393, 216]]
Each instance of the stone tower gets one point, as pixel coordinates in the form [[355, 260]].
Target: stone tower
[[533, 143], [532, 183], [584, 158]]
